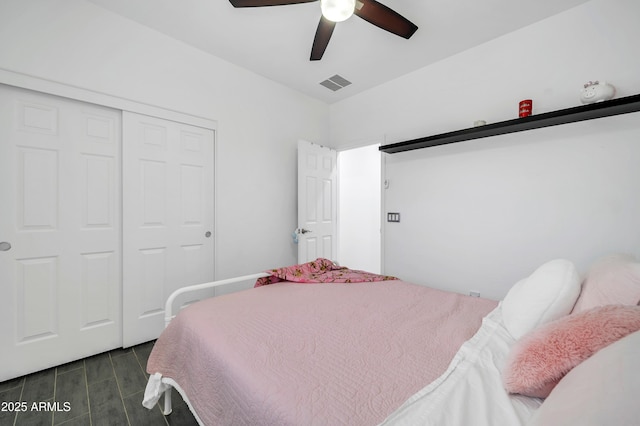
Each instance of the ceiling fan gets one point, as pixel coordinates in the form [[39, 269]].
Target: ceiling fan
[[337, 11]]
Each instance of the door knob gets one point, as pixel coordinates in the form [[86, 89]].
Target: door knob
[[207, 234], [304, 231], [5, 246]]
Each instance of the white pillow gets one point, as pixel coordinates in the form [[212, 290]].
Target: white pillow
[[546, 295], [603, 390]]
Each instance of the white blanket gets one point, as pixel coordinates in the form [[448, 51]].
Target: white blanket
[[470, 392]]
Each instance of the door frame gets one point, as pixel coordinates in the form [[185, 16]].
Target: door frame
[[377, 164], [37, 84]]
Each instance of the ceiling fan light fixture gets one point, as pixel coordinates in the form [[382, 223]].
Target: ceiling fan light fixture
[[337, 10]]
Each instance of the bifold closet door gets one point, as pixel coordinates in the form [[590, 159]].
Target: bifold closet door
[[167, 218], [60, 246]]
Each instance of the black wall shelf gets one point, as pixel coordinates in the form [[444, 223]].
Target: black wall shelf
[[570, 115]]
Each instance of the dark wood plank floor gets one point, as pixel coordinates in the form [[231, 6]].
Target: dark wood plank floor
[[105, 389]]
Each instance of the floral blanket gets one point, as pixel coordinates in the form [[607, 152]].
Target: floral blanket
[[320, 271]]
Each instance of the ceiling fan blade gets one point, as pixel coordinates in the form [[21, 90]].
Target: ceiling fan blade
[[321, 40], [385, 18], [259, 3]]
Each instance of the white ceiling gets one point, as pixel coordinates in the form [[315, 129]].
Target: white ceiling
[[276, 41]]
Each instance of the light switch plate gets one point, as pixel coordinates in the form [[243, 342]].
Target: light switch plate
[[393, 217]]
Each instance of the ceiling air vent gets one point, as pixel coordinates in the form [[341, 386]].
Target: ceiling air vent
[[336, 82]]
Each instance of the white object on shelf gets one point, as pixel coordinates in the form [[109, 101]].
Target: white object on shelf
[[595, 91]]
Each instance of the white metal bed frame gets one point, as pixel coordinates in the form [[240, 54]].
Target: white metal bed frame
[[169, 315]]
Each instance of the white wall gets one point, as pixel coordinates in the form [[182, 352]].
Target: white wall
[[359, 204], [481, 214], [259, 122]]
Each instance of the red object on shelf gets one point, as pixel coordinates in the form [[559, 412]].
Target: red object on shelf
[[525, 108]]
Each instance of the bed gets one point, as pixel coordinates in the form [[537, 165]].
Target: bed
[[353, 348]]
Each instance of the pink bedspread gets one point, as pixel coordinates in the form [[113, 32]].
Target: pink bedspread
[[317, 354]]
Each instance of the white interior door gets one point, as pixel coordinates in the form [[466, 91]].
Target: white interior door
[[317, 202], [60, 231], [168, 222]]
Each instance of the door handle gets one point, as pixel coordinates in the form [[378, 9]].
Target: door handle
[[303, 231], [5, 246]]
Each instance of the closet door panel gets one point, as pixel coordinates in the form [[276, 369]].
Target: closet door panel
[[37, 180], [59, 211], [168, 218], [37, 299], [99, 307]]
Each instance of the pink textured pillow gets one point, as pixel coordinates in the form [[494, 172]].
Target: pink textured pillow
[[540, 359], [611, 280]]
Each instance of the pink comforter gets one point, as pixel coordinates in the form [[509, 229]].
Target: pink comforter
[[288, 354]]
